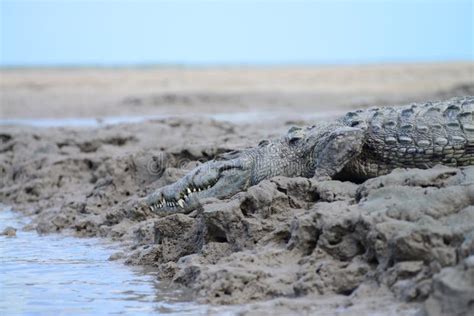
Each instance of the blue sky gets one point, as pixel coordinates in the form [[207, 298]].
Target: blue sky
[[233, 32]]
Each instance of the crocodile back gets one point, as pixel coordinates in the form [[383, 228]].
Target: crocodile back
[[416, 135]]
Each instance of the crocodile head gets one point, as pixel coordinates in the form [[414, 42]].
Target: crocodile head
[[234, 172], [216, 179]]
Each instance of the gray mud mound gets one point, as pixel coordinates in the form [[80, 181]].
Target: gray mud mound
[[397, 244]]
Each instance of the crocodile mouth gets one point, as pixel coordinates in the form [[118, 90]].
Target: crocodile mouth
[[185, 197], [218, 179]]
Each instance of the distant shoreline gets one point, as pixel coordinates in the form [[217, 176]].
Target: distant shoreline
[[232, 65], [55, 93]]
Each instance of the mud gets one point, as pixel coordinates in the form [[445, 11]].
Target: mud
[[400, 243]]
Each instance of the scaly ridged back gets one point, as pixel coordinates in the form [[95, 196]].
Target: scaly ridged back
[[416, 135]]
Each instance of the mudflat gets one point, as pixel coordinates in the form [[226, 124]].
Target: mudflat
[[397, 244], [89, 92]]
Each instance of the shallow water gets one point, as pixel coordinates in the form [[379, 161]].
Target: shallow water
[[235, 117], [58, 275]]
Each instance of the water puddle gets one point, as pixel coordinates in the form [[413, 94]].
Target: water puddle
[[235, 117], [58, 275]]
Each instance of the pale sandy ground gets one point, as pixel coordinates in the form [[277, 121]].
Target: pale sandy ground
[[58, 93], [405, 237]]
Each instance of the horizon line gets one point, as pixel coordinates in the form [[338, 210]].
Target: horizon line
[[138, 65]]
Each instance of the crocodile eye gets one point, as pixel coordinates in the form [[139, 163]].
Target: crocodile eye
[[356, 123], [293, 139], [295, 134], [263, 143]]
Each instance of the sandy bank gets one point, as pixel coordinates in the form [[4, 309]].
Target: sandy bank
[[92, 93]]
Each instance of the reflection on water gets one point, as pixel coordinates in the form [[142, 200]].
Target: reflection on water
[[56, 274]]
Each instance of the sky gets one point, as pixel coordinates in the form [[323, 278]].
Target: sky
[[181, 32]]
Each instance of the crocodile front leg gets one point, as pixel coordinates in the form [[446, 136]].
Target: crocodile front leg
[[334, 151]]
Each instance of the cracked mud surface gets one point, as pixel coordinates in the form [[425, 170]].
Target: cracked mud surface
[[397, 244]]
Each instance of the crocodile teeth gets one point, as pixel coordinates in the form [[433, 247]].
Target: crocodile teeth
[[181, 203], [188, 190], [194, 190], [208, 187]]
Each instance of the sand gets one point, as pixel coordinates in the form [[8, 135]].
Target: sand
[[52, 93], [397, 244]]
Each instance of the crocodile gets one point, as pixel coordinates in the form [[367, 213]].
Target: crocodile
[[359, 145]]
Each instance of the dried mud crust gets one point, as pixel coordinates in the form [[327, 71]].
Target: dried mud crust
[[400, 241]]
